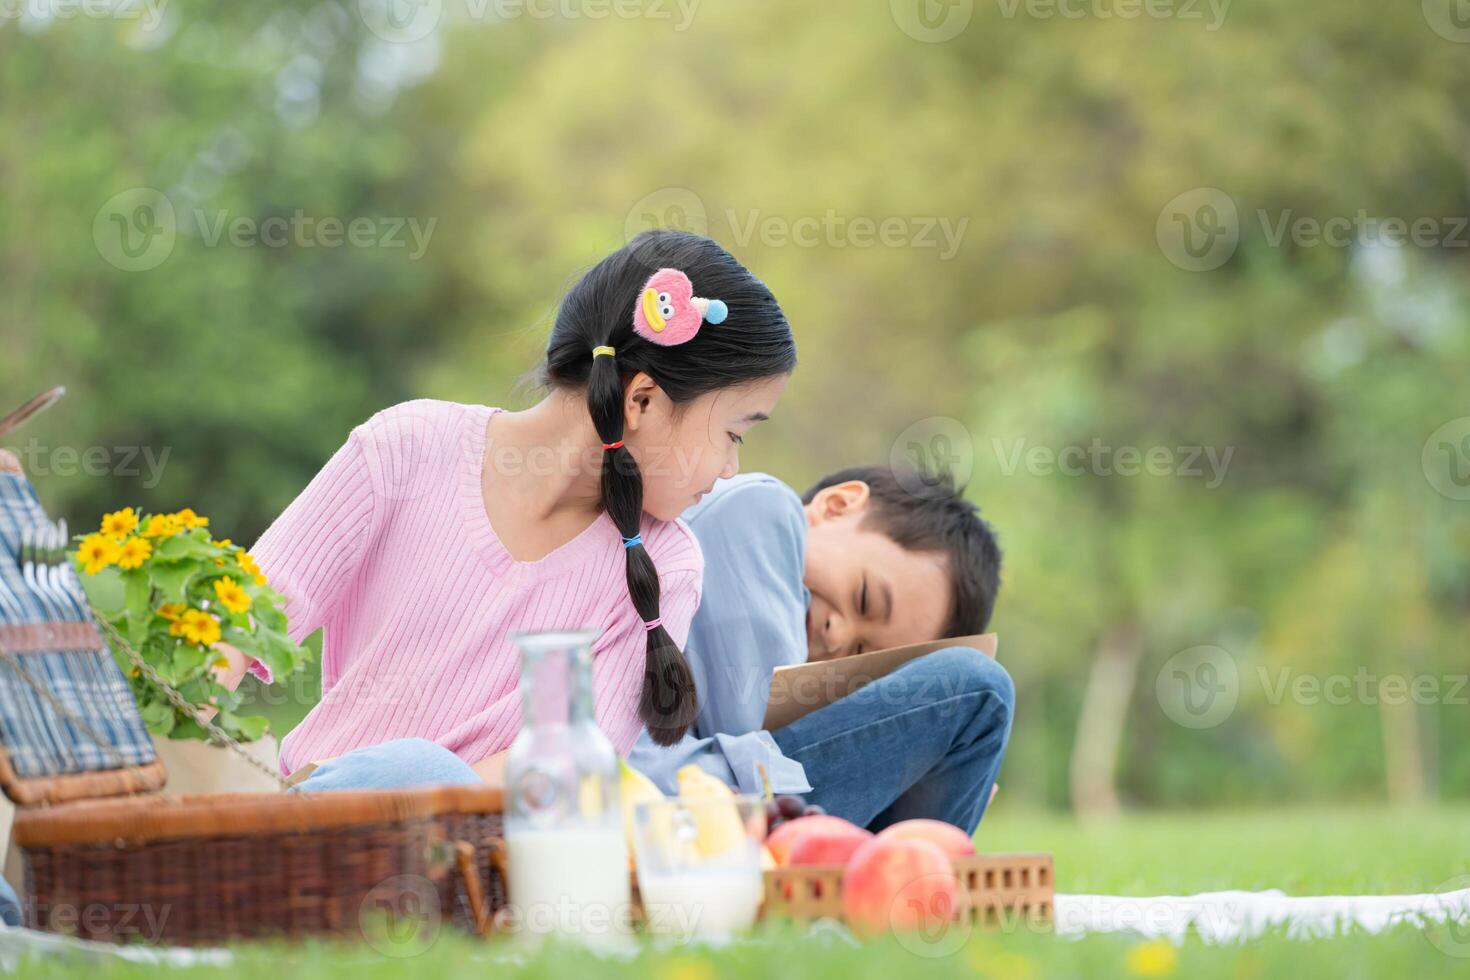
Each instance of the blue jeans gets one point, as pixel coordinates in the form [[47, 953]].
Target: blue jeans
[[9, 904], [398, 764], [924, 741]]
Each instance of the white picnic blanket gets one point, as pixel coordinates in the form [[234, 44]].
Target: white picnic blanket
[[17, 944], [1216, 917], [1233, 916]]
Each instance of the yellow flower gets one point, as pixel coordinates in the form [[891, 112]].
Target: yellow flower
[[197, 627], [120, 523], [96, 552], [988, 960], [188, 519], [171, 611], [251, 569], [231, 596], [1155, 958], [686, 968], [224, 543], [134, 552], [162, 526]]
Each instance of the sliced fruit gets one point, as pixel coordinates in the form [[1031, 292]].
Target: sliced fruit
[[716, 817]]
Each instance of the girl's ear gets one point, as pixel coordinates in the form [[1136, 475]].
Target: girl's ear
[[638, 400]]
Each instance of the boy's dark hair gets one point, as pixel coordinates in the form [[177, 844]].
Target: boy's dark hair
[[754, 343], [924, 512]]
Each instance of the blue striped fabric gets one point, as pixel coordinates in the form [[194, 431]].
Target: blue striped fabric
[[38, 739]]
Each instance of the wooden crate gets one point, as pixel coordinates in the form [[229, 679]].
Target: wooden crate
[[997, 890]]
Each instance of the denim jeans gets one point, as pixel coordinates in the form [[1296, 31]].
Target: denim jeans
[[924, 741], [9, 904], [399, 764]]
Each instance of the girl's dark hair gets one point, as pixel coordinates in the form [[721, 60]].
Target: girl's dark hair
[[753, 343]]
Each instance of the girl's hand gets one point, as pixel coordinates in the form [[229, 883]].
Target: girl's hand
[[231, 676]]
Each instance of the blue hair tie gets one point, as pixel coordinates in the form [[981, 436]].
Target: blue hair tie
[[630, 542]]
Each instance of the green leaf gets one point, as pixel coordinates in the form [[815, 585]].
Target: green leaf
[[182, 546], [172, 579], [196, 690], [186, 728], [246, 728], [135, 630], [137, 591], [158, 716], [267, 614], [105, 592], [188, 660]]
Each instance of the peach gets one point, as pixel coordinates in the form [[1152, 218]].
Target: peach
[[826, 845], [783, 837], [901, 884], [951, 839]]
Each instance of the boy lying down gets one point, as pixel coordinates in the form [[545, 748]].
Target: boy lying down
[[859, 563]]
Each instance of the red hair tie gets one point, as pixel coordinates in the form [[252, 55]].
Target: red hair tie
[[613, 445]]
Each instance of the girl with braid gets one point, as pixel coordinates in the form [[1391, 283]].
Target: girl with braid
[[440, 529]]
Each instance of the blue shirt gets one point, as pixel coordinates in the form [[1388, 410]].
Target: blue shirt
[[751, 620]]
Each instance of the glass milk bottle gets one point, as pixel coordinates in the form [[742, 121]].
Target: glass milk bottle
[[568, 855]]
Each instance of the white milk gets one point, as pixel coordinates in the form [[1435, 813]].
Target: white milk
[[709, 904], [570, 882]]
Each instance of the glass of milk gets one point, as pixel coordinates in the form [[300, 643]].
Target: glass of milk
[[567, 853], [699, 865]]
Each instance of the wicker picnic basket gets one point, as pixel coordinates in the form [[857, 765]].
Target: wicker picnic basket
[[996, 890], [107, 854]]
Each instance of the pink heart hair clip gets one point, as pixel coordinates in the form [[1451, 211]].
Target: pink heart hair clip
[[668, 312]]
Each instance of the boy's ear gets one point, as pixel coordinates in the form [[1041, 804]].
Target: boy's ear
[[849, 499]]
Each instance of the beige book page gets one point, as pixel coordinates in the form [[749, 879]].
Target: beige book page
[[803, 688]]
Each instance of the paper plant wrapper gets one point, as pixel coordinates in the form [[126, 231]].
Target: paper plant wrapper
[[801, 689]]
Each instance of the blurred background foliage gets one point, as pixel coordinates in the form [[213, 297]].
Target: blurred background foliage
[[1030, 296]]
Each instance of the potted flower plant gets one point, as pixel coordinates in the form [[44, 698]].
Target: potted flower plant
[[175, 594]]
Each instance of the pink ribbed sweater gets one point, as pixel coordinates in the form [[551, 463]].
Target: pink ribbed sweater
[[390, 551]]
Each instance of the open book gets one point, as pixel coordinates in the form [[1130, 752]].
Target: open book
[[803, 688]]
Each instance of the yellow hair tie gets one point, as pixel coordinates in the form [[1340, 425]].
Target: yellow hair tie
[[599, 351]]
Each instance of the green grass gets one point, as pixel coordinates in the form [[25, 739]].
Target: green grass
[[1340, 850], [1300, 851]]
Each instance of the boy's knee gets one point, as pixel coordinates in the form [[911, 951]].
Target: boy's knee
[[965, 670]]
